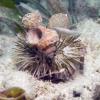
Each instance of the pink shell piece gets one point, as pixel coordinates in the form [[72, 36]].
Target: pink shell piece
[[49, 37]]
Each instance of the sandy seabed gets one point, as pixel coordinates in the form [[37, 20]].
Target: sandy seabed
[[82, 87]]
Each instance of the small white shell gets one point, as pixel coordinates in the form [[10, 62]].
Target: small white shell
[[31, 20]]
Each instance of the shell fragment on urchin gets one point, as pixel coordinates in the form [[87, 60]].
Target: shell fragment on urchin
[[59, 20], [31, 20]]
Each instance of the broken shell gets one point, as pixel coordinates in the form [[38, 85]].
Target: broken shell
[[42, 38], [59, 20], [32, 20], [49, 37]]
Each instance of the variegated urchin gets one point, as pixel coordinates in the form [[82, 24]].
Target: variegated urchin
[[47, 55]]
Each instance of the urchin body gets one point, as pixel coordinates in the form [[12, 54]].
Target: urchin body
[[48, 55], [60, 63]]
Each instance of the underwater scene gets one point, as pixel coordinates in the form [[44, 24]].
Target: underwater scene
[[49, 49]]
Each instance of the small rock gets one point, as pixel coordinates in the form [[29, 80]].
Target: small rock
[[76, 94]]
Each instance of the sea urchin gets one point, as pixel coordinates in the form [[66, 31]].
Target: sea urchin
[[47, 55]]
